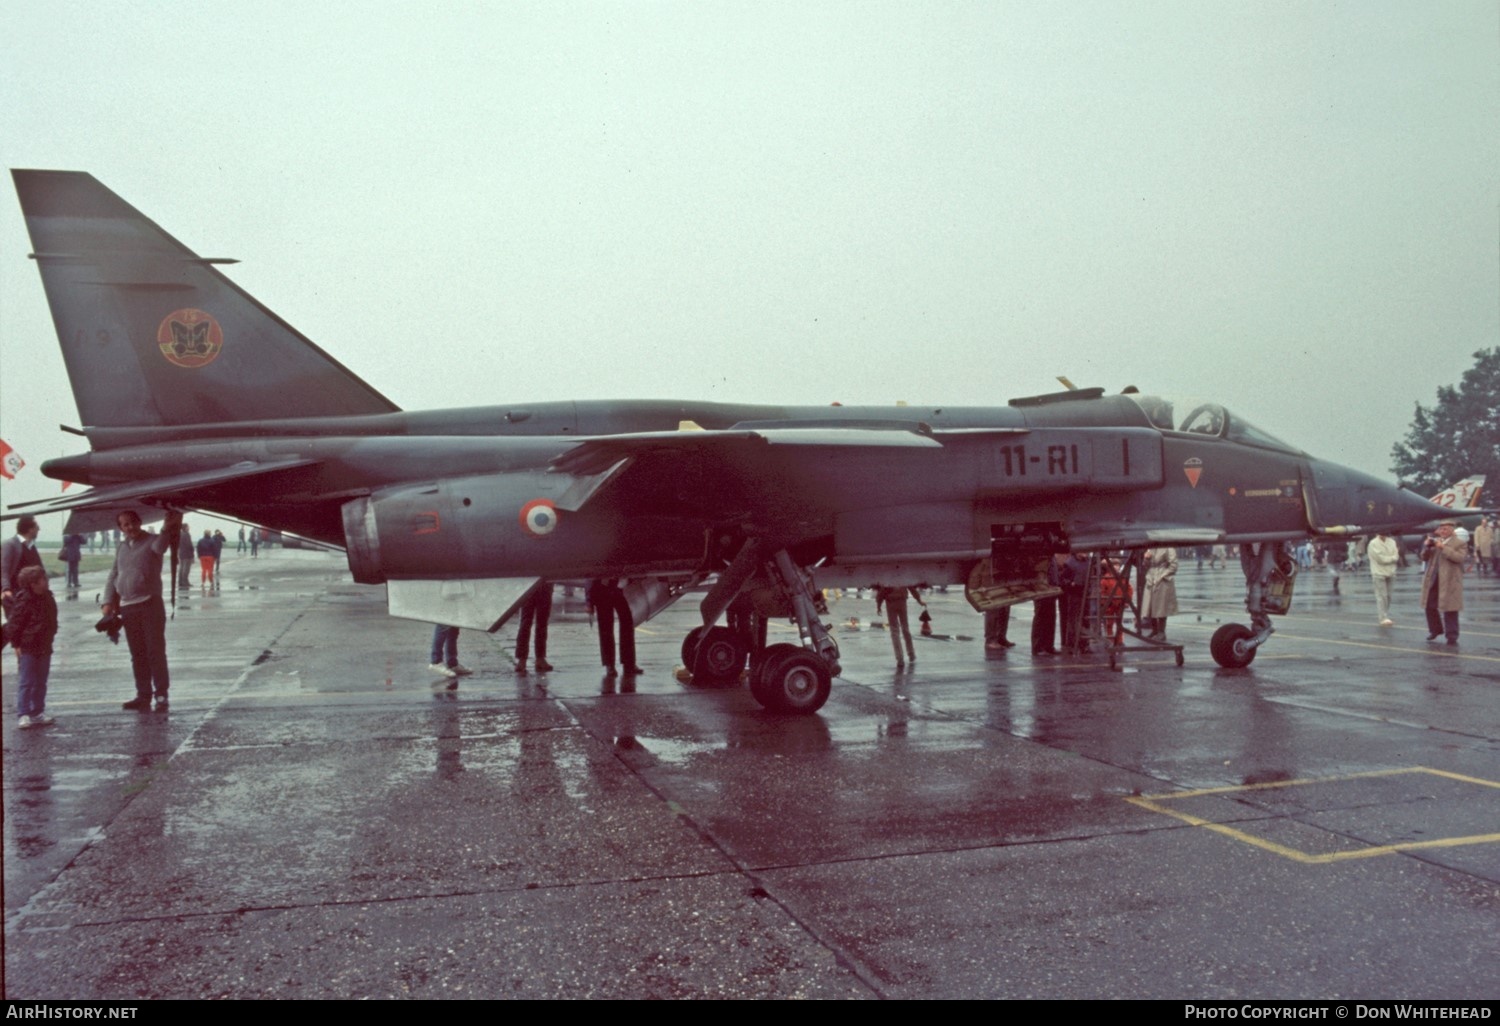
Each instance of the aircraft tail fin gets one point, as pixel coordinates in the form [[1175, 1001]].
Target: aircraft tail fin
[[1462, 495], [153, 335]]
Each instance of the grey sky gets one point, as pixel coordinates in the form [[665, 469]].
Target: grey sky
[[1293, 208]]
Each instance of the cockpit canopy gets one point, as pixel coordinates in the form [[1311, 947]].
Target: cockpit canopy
[[1198, 417]]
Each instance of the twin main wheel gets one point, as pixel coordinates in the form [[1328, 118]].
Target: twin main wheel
[[787, 678], [791, 679], [713, 654]]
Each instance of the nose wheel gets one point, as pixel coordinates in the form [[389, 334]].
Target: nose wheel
[[1270, 574], [1229, 646]]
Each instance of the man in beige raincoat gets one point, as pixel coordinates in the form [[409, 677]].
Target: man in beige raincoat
[[1443, 581]]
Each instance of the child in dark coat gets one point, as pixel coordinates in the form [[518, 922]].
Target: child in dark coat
[[31, 627]]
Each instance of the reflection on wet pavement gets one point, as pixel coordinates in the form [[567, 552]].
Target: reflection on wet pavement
[[316, 818]]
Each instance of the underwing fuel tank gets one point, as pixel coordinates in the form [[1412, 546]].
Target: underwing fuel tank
[[471, 526]]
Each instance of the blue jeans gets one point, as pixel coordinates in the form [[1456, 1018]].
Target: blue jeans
[[31, 694], [444, 645]]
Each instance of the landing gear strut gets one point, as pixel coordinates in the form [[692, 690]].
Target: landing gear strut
[[792, 678], [784, 677], [1269, 575]]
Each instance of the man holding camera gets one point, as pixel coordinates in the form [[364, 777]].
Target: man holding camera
[[1444, 554]]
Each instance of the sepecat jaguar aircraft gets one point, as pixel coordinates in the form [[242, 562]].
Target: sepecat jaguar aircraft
[[194, 395]]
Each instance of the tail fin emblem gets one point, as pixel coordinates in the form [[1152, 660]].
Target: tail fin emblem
[[189, 338]]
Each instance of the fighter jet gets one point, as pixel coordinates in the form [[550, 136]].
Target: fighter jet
[[192, 394]]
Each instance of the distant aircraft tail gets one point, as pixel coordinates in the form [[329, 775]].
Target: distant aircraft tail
[[153, 335], [1463, 495]]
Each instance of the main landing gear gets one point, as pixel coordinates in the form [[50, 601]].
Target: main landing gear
[[783, 677], [1270, 573]]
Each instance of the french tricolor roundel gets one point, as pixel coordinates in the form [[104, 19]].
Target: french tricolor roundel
[[538, 517]]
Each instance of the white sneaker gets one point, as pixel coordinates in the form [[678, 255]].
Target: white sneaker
[[462, 670], [1387, 623], [25, 723], [42, 720], [441, 670]]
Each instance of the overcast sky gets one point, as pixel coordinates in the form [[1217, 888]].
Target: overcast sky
[[1292, 208]]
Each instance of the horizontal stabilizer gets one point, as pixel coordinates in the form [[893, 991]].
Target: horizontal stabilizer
[[177, 490]]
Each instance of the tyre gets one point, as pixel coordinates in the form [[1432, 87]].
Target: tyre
[[690, 646], [793, 682], [765, 669], [720, 655], [1227, 646]]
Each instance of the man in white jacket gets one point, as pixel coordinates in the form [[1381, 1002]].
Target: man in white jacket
[[1384, 552]]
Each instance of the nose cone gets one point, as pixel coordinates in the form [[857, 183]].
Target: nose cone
[[1349, 502]]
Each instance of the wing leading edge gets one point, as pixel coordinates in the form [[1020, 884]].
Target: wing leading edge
[[176, 490]]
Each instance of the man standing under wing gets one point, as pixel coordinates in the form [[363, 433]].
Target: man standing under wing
[[134, 588]]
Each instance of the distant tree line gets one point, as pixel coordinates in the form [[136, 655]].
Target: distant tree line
[[1459, 436]]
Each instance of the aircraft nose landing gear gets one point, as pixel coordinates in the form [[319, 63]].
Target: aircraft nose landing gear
[[1270, 573]]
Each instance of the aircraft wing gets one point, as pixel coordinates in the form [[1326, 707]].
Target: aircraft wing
[[103, 518], [176, 490], [597, 455]]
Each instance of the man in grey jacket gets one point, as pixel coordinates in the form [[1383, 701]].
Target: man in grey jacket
[[134, 588]]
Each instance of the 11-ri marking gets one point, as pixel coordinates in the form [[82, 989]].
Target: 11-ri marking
[[1061, 459]]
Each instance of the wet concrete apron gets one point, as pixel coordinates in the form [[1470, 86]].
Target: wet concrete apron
[[318, 817]]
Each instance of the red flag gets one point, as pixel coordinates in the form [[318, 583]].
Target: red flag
[[10, 460]]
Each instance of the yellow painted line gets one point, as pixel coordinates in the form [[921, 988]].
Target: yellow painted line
[[1219, 828], [1444, 651], [1460, 776], [1271, 785], [1472, 626], [1477, 623], [1149, 802], [1304, 857], [1426, 649]]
